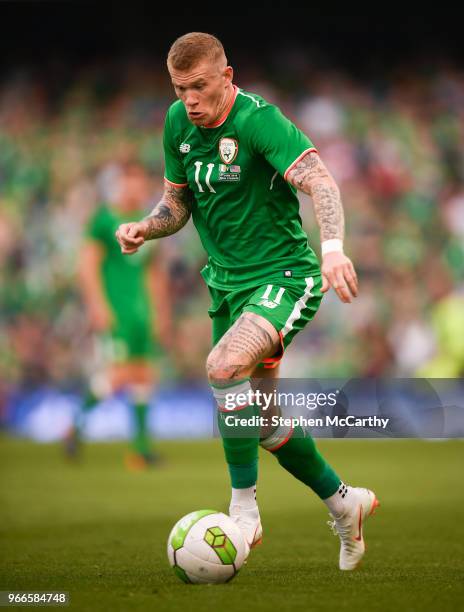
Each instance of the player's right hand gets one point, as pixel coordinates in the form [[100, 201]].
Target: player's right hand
[[131, 236]]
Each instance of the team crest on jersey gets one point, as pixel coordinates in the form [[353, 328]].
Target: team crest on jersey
[[228, 149]]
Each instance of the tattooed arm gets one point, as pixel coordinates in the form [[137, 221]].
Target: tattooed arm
[[168, 217], [312, 177]]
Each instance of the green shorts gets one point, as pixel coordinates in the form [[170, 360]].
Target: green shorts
[[129, 340], [289, 304]]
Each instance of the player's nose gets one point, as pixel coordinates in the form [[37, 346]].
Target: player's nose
[[191, 100]]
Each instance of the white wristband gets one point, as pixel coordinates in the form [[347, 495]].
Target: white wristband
[[328, 246]]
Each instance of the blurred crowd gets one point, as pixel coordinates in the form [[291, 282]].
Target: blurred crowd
[[394, 145]]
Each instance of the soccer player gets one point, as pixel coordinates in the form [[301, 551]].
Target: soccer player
[[234, 162], [119, 293]]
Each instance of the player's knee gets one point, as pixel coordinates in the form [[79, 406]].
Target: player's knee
[[220, 370]]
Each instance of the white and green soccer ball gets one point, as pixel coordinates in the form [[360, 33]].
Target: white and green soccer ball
[[206, 547]]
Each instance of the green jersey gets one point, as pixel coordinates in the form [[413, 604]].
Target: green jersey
[[124, 277], [246, 213]]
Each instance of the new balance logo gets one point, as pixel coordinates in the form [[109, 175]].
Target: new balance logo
[[268, 304], [184, 148]]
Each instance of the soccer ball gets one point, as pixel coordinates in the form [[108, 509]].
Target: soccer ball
[[206, 547]]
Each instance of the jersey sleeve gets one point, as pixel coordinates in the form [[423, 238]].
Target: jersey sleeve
[[278, 139], [174, 171]]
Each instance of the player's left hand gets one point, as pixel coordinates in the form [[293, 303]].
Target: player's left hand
[[338, 272]]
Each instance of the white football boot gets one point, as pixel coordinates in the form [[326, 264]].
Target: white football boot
[[249, 522], [349, 526]]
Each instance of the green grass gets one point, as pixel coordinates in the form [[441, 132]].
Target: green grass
[[99, 532]]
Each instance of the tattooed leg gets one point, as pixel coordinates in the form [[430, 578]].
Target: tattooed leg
[[251, 339], [229, 367]]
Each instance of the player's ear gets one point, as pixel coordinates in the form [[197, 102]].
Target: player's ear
[[228, 73]]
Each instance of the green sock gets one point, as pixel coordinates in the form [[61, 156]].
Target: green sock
[[89, 401], [240, 442], [300, 457], [141, 437]]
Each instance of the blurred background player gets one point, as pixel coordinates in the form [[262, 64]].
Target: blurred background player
[[128, 308]]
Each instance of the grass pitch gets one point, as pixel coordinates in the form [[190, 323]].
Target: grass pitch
[[99, 532]]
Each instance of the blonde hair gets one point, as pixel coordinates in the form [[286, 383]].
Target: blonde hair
[[190, 49]]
